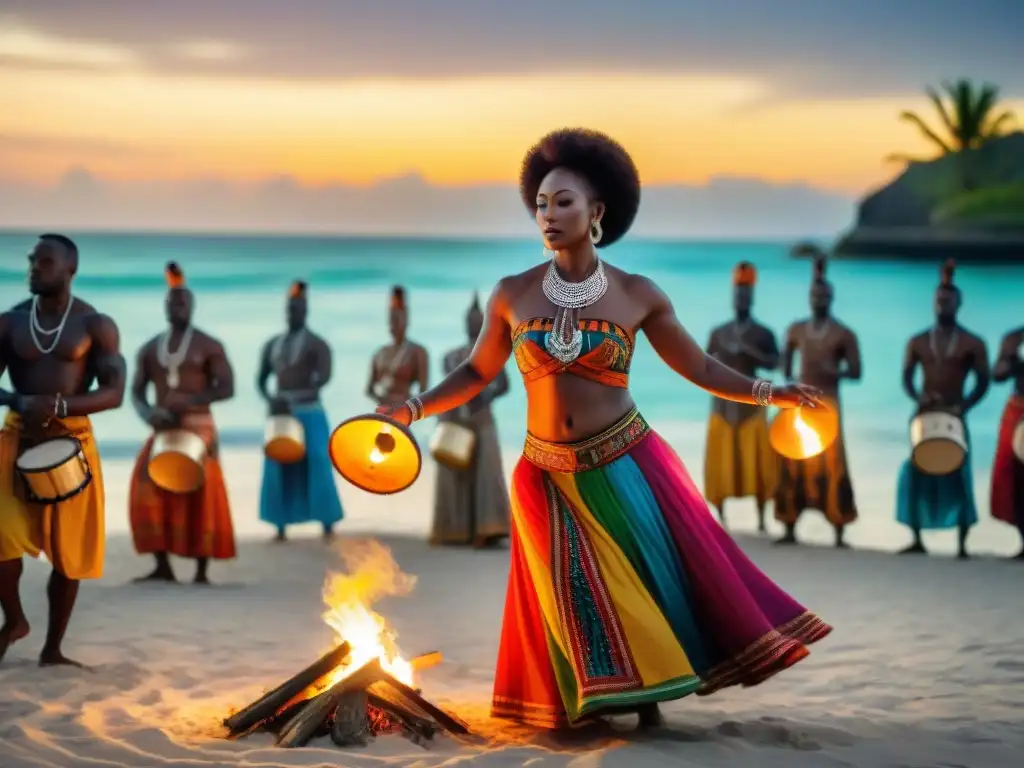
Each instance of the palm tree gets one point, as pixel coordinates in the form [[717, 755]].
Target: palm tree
[[969, 120]]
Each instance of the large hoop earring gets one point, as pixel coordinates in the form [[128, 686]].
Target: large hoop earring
[[596, 233]]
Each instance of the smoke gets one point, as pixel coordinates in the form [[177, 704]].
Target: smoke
[[371, 574]]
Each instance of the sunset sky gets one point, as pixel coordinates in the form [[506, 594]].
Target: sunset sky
[[329, 93]]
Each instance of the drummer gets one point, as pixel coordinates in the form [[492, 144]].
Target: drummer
[[738, 459], [1008, 468], [946, 354], [189, 371], [300, 362], [829, 353], [401, 365], [471, 506], [64, 362]]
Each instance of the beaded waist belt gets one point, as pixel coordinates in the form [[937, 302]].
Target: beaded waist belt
[[591, 453]]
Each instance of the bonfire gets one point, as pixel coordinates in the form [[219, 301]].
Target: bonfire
[[362, 687]]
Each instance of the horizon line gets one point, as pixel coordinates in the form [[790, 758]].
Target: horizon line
[[455, 237]]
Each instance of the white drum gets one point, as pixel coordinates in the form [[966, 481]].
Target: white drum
[[177, 462], [1018, 441], [54, 471], [284, 439], [938, 442], [453, 445]]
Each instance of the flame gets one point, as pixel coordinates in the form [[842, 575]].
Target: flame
[[376, 455], [810, 443], [372, 574]]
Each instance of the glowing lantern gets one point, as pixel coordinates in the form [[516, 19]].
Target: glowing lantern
[[800, 433], [375, 453]]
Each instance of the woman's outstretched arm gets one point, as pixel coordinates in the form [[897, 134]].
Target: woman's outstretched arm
[[490, 353], [684, 355]]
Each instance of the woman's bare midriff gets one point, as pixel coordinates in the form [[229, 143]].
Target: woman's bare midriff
[[564, 408]]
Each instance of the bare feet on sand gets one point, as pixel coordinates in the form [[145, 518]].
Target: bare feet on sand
[[158, 574], [57, 659], [12, 633]]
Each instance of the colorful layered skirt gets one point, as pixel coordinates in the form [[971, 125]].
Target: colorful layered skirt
[[623, 590]]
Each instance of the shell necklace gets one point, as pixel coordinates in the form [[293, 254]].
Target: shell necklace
[[171, 362], [36, 330], [565, 341], [295, 345], [950, 344], [740, 328], [821, 331]]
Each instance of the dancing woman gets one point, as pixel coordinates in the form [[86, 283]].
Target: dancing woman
[[623, 590]]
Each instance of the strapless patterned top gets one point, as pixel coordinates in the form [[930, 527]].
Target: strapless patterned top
[[605, 357]]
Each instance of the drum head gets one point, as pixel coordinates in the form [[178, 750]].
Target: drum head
[[938, 457], [176, 473], [48, 455], [284, 450]]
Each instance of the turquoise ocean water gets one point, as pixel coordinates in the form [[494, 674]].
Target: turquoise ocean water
[[240, 283]]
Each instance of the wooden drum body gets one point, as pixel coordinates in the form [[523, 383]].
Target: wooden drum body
[[453, 445], [938, 442], [284, 439], [54, 471], [177, 461], [1018, 441]]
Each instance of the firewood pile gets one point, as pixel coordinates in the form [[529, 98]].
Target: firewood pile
[[364, 703]]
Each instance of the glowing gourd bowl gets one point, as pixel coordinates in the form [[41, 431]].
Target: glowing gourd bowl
[[802, 432], [375, 453]]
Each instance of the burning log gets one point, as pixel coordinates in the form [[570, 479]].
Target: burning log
[[448, 722], [268, 704], [351, 726], [301, 728], [366, 702], [364, 687], [388, 702], [426, 661]]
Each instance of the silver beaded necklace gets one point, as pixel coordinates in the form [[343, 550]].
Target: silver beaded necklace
[[172, 361], [565, 341], [821, 331], [295, 344], [950, 344], [36, 330]]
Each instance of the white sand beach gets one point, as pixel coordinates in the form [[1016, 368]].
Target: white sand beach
[[925, 667]]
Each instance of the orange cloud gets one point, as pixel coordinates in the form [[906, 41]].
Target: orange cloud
[[450, 131]]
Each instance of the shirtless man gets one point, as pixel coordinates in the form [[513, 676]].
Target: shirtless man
[[739, 460], [946, 353], [829, 353], [1008, 470], [300, 363], [55, 349], [396, 368], [189, 371]]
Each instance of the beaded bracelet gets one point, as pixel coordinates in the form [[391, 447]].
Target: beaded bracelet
[[762, 392], [415, 406]]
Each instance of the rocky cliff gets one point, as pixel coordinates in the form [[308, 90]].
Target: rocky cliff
[[970, 206]]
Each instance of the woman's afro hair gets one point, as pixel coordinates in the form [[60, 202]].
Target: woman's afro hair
[[601, 161]]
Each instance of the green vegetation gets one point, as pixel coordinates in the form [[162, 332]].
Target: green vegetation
[[994, 207], [969, 117]]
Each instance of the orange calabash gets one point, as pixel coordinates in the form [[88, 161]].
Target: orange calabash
[[800, 433], [375, 453]]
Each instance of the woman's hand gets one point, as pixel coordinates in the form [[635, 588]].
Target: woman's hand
[[796, 396], [399, 413]]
